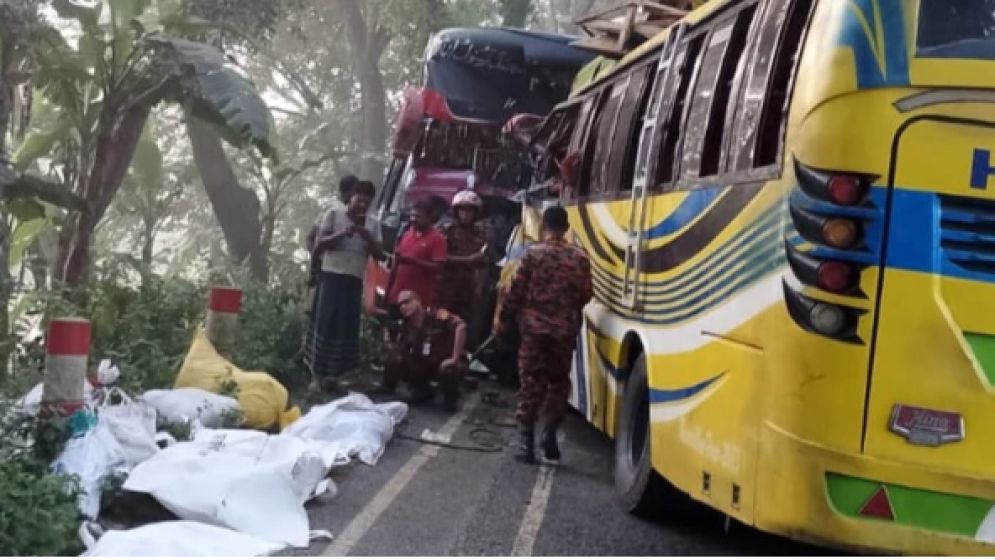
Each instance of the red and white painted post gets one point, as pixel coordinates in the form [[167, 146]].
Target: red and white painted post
[[223, 308], [67, 348]]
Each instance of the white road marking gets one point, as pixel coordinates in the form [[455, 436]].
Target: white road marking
[[534, 514], [367, 518]]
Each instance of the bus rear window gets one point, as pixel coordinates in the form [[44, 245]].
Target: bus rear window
[[956, 29]]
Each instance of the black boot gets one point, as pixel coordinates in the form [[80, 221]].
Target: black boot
[[550, 447], [450, 394], [527, 447]]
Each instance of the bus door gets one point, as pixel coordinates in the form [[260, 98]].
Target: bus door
[[931, 392]]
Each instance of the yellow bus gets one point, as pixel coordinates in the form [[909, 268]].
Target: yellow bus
[[790, 213]]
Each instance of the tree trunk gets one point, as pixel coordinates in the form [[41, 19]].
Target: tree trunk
[[148, 242], [374, 120], [6, 282], [367, 41], [236, 208], [6, 91], [113, 152], [514, 13]]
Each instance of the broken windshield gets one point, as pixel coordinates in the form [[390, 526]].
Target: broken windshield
[[956, 29]]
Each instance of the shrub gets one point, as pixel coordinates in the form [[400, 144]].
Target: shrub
[[38, 513]]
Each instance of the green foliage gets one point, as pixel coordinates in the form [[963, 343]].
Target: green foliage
[[181, 431], [215, 92], [38, 515], [270, 328], [142, 321]]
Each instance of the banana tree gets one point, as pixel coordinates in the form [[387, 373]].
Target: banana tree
[[104, 83]]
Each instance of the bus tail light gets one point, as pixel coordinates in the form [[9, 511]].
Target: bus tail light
[[827, 319], [836, 277], [842, 188], [836, 232], [846, 190], [840, 233]]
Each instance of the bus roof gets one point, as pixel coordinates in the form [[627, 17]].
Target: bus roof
[[642, 50], [493, 73]]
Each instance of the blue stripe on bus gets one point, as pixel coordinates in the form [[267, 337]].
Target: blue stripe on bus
[[581, 374], [608, 366], [863, 34], [658, 396], [761, 247], [717, 259], [696, 202]]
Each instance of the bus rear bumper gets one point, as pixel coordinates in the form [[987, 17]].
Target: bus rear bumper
[[848, 500]]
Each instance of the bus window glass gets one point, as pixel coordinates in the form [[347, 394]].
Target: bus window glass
[[711, 152], [770, 132], [623, 147], [757, 75], [675, 118], [579, 136], [956, 29], [597, 177], [694, 134]]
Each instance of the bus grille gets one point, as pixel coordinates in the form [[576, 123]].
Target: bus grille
[[967, 233]]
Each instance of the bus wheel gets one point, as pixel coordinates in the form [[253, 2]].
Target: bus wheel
[[638, 486]]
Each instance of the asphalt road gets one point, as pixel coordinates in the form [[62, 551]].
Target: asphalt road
[[422, 499]]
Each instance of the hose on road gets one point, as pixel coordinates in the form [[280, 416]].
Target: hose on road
[[488, 444], [486, 439]]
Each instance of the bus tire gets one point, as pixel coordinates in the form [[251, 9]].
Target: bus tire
[[638, 486]]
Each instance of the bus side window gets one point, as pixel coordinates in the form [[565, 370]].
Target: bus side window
[[676, 117], [701, 97], [763, 111], [723, 100], [594, 180], [579, 142], [630, 119]]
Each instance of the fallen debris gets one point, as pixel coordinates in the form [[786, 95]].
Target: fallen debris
[[353, 426], [177, 538], [190, 404], [245, 480]]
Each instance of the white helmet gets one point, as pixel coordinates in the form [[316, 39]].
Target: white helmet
[[467, 198]]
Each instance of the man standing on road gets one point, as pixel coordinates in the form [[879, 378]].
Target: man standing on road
[[419, 257], [464, 279], [428, 345], [347, 239], [546, 298]]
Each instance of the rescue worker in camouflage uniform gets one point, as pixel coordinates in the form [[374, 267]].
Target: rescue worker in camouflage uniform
[[427, 345], [463, 277], [546, 298]]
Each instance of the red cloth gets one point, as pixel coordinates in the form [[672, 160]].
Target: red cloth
[[429, 245]]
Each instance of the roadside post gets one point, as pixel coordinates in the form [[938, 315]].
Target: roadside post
[[67, 348], [224, 305]]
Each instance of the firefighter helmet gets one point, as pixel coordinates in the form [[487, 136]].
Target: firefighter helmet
[[467, 198]]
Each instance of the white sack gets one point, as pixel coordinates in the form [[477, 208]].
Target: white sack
[[188, 404], [181, 538], [353, 426], [242, 479], [133, 425], [30, 403], [92, 456]]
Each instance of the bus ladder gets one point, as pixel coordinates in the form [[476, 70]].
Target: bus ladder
[[656, 110]]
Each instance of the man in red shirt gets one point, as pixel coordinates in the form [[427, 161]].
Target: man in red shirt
[[419, 257]]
